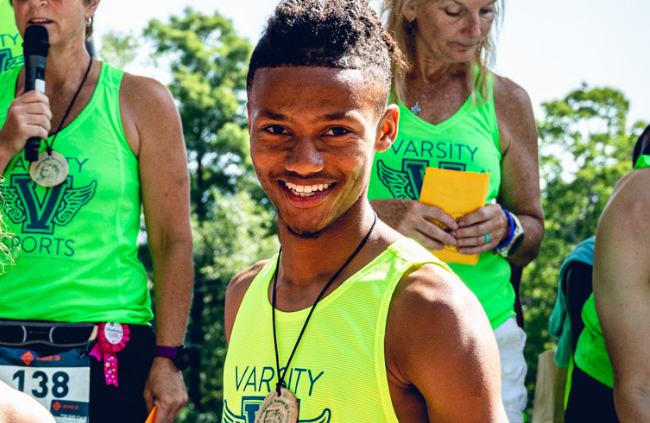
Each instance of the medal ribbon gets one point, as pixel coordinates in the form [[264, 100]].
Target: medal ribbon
[[281, 383], [67, 112], [104, 350]]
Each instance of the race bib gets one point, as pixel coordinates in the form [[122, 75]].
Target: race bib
[[60, 382]]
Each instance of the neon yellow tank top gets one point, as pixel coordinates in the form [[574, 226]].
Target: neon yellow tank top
[[338, 372], [591, 352], [78, 257], [467, 141], [11, 43]]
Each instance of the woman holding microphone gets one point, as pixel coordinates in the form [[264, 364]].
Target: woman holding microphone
[[113, 146]]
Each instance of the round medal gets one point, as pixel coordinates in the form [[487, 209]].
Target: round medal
[[276, 408], [113, 332], [49, 170]]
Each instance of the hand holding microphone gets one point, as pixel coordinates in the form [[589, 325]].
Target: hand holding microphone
[[28, 117], [36, 47]]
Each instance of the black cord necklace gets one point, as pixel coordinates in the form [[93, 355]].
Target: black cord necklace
[[281, 381], [51, 168], [67, 112]]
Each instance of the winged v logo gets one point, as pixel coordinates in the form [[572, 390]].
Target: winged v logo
[[39, 214], [405, 183]]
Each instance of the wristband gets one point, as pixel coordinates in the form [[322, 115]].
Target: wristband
[[511, 233]]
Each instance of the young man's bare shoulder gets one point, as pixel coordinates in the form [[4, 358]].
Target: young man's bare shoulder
[[433, 290], [432, 311], [439, 340], [240, 283]]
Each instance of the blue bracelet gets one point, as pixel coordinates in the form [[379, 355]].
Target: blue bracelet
[[511, 235]]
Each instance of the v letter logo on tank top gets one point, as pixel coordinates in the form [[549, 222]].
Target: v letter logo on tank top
[[40, 215]]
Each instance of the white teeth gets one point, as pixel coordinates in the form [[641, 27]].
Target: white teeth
[[306, 190]]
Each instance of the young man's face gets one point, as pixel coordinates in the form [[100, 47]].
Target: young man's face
[[313, 134]]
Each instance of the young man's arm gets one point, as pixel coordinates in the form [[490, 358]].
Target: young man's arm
[[622, 292], [439, 341]]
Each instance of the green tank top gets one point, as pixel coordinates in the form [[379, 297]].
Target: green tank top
[[77, 259], [348, 383], [467, 141], [591, 353], [11, 44]]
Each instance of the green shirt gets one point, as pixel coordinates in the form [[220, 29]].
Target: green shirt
[[77, 260], [467, 141], [11, 44], [338, 372]]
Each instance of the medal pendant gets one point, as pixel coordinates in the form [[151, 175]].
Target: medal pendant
[[276, 408], [49, 170]]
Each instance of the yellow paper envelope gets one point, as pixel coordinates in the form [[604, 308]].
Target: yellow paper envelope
[[457, 194]]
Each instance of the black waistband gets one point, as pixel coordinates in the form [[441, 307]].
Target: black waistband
[[24, 333]]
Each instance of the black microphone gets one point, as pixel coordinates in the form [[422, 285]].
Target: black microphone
[[36, 47]]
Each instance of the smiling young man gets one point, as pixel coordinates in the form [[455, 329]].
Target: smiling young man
[[351, 322]]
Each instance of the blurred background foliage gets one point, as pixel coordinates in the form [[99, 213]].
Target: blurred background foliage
[[585, 147]]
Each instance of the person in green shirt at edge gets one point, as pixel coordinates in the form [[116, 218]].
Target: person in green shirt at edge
[[611, 377], [390, 334], [458, 115], [11, 43]]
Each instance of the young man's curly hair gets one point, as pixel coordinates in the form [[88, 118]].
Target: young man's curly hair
[[344, 34]]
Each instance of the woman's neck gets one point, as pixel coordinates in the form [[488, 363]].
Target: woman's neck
[[66, 66]]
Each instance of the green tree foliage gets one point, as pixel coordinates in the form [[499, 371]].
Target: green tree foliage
[[208, 64], [233, 224], [585, 148], [238, 234], [118, 48]]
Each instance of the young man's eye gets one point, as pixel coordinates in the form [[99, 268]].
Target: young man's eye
[[276, 130], [336, 132]]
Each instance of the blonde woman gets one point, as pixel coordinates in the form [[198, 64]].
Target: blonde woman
[[457, 114]]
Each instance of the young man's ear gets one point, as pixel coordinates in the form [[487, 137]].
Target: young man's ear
[[387, 128]]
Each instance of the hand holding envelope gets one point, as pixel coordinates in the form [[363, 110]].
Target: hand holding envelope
[[457, 194]]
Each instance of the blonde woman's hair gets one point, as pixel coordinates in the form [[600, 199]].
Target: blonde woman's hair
[[397, 25]]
